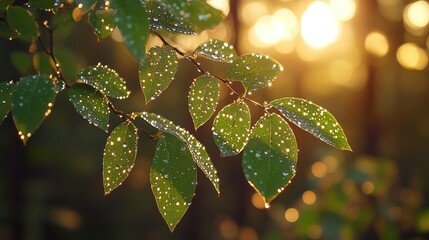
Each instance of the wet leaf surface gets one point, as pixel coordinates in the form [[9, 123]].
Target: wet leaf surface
[[217, 50], [31, 103], [203, 99], [91, 104], [119, 155], [231, 128], [157, 70], [254, 70], [173, 178], [270, 156], [199, 154], [313, 119], [6, 92]]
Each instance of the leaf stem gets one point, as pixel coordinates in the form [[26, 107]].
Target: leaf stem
[[200, 69]]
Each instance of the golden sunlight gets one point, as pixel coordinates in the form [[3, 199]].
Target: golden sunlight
[[343, 10], [376, 44], [416, 15], [411, 56], [319, 28]]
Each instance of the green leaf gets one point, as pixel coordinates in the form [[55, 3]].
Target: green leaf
[[157, 70], [269, 159], [119, 155], [132, 20], [6, 91], [254, 70], [313, 119], [102, 20], [231, 128], [4, 4], [43, 4], [91, 104], [31, 103], [42, 63], [21, 60], [198, 13], [68, 62], [217, 50], [105, 80], [203, 99], [173, 178], [162, 17], [22, 22], [6, 32], [199, 154]]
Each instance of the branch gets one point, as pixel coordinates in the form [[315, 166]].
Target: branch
[[50, 52], [200, 69]]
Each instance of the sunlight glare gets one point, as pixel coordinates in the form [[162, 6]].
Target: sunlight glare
[[319, 27], [416, 15], [376, 44], [222, 5], [343, 10], [411, 56]]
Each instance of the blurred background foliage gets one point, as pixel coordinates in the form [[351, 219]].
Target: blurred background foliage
[[365, 61]]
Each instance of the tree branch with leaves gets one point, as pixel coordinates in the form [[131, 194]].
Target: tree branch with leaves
[[269, 148]]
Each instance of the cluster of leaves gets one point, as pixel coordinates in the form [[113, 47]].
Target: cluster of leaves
[[269, 148]]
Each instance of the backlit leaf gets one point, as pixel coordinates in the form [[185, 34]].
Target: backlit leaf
[[105, 80], [269, 158], [23, 23], [132, 20], [198, 13], [102, 19], [157, 70], [91, 104], [21, 60], [231, 128], [199, 154], [313, 119], [254, 70], [119, 155], [162, 17], [217, 50], [6, 93], [31, 103], [173, 178], [203, 99]]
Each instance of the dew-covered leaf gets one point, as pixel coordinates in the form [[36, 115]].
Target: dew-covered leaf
[[91, 104], [217, 50], [6, 93], [270, 156], [203, 99], [102, 19], [105, 80], [198, 13], [21, 61], [199, 154], [313, 119], [162, 17], [31, 103], [173, 178], [254, 70], [132, 20], [231, 128], [22, 22], [119, 155], [157, 70]]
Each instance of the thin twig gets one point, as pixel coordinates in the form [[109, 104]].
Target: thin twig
[[50, 52], [200, 69]]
